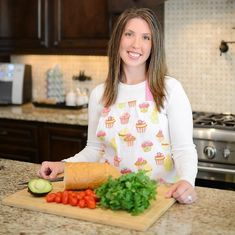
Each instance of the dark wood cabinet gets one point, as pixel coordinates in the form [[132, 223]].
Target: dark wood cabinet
[[19, 140], [53, 26], [37, 142], [80, 26], [62, 26], [59, 141], [116, 7], [23, 25]]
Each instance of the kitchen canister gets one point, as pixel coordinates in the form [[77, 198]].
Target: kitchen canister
[[70, 98]]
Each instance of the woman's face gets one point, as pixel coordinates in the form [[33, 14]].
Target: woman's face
[[135, 44]]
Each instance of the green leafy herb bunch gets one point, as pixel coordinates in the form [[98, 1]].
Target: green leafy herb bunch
[[131, 192]]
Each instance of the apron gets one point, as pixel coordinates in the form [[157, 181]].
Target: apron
[[135, 136]]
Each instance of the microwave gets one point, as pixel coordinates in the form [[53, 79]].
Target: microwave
[[15, 83]]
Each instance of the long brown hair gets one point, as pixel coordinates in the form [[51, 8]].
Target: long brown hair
[[156, 63]]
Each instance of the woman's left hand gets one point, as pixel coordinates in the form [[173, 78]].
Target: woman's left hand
[[183, 192]]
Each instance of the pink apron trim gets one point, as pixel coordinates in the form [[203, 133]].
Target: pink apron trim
[[148, 94]]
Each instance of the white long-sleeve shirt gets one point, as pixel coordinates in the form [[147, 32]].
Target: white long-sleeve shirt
[[180, 126]]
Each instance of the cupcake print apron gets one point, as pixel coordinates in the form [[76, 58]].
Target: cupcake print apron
[[134, 136]]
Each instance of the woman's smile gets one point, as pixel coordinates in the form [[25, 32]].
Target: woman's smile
[[134, 55]]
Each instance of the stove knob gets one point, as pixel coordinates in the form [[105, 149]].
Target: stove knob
[[210, 152], [226, 153]]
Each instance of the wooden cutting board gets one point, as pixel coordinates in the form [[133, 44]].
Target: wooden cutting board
[[23, 199]]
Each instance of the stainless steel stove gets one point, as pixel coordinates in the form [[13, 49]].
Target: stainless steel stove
[[214, 137]]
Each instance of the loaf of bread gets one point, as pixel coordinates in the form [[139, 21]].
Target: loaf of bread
[[82, 175]]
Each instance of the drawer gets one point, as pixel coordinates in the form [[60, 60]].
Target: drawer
[[18, 133], [19, 153]]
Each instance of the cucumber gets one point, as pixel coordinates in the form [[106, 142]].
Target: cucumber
[[39, 187]]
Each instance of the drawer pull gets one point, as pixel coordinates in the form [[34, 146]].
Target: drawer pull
[[84, 135], [3, 132]]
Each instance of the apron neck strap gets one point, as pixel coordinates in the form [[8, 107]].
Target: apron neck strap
[[148, 94]]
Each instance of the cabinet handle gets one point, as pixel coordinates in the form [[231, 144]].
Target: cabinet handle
[[55, 43], [3, 132], [84, 134]]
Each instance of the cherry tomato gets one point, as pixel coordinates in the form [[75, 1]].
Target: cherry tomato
[[59, 194], [58, 199], [91, 204], [73, 201], [89, 192], [70, 198], [95, 197], [70, 192], [74, 194], [89, 198], [82, 203], [85, 198], [50, 197], [65, 197], [81, 195]]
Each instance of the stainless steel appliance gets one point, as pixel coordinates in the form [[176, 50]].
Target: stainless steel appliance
[[214, 137], [15, 83]]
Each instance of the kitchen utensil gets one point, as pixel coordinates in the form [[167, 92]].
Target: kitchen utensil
[[51, 180]]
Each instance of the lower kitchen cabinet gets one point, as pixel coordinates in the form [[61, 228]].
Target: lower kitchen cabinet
[[19, 140], [60, 141], [37, 142]]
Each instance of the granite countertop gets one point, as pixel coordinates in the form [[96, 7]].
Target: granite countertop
[[28, 112], [213, 213]]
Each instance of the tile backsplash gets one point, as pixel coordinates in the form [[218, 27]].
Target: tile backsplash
[[193, 32], [94, 66]]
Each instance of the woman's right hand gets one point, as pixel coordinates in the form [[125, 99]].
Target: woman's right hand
[[49, 170]]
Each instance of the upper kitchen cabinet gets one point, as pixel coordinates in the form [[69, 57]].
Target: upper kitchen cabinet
[[116, 7], [62, 26], [80, 26], [53, 26], [22, 25]]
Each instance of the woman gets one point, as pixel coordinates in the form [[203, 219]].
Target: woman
[[140, 118]]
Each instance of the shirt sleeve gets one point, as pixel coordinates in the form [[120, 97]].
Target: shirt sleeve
[[179, 114], [92, 151]]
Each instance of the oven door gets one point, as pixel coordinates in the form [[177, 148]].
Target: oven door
[[216, 175]]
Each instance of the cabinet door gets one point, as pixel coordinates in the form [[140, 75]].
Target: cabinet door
[[61, 141], [80, 26], [116, 7], [19, 140], [22, 25]]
